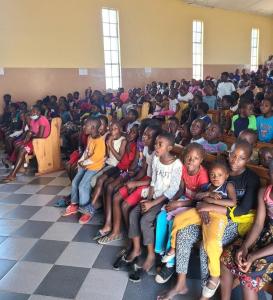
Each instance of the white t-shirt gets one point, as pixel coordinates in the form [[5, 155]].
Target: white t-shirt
[[149, 160], [111, 160], [172, 104], [199, 141], [225, 88], [166, 178], [187, 97]]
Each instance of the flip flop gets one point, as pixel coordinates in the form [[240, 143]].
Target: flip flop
[[7, 180], [106, 240], [100, 234]]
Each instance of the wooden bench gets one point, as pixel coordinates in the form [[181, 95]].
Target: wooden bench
[[214, 115], [230, 140], [48, 150]]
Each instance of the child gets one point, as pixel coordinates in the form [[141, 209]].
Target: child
[[202, 113], [226, 113], [212, 142], [117, 176], [129, 195], [91, 162], [173, 105], [265, 122], [265, 156], [245, 119], [250, 136], [197, 129], [172, 127], [184, 95], [250, 259], [166, 174], [225, 87], [209, 98], [185, 134], [130, 120]]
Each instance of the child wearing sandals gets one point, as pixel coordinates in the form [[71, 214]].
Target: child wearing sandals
[[166, 175], [91, 162], [131, 193], [194, 178], [116, 177]]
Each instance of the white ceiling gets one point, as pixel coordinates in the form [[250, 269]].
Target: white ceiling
[[264, 7]]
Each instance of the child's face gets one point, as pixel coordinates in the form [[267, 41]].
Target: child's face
[[115, 131], [265, 106], [218, 176], [266, 158], [131, 117], [247, 110], [184, 131], [172, 126], [162, 146], [91, 128], [238, 159], [197, 128], [147, 137], [133, 134], [212, 133], [248, 137], [193, 160], [225, 104], [103, 127]]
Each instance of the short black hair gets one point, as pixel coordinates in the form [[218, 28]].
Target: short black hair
[[156, 131], [244, 104], [148, 122], [269, 100], [229, 99], [250, 131], [168, 136], [204, 107], [244, 145], [220, 164], [37, 107], [134, 112], [174, 119], [194, 146], [104, 119], [94, 119]]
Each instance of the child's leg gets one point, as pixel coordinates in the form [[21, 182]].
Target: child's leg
[[98, 189], [185, 219], [212, 240], [227, 280], [75, 186], [161, 232]]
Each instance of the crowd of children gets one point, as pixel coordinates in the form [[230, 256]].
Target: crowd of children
[[167, 203]]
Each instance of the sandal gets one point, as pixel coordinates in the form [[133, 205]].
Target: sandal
[[106, 239], [136, 274], [207, 292], [100, 234], [121, 260], [8, 179], [167, 257]]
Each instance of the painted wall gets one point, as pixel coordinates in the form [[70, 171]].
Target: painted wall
[[44, 41]]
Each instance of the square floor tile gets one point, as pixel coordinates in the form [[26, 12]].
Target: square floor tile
[[54, 174], [60, 181], [66, 191], [86, 234], [41, 180], [23, 179], [38, 200], [61, 231], [107, 257], [40, 297], [46, 251], [10, 187], [69, 219], [103, 285], [69, 278], [51, 190], [14, 198], [7, 227], [98, 219], [30, 189], [79, 255], [13, 296], [2, 238], [22, 212], [5, 208], [5, 266], [15, 248], [54, 199], [46, 213], [4, 195], [25, 277], [32, 229]]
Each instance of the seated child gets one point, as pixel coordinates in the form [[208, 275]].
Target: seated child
[[212, 142], [251, 136], [265, 156], [245, 119], [265, 122], [130, 120], [226, 113], [172, 127], [130, 194], [197, 129], [185, 134], [209, 98], [116, 177], [202, 113], [166, 175], [173, 107], [91, 162], [210, 212]]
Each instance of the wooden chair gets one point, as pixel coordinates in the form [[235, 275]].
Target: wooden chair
[[48, 151], [183, 106], [230, 140], [144, 111], [214, 115]]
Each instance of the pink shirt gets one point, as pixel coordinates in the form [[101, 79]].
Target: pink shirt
[[42, 121]]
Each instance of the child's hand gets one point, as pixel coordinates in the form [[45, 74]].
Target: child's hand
[[146, 205], [241, 255], [130, 185], [203, 207], [245, 266], [215, 196], [172, 206], [205, 217]]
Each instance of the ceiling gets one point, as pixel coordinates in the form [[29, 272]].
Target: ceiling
[[264, 7]]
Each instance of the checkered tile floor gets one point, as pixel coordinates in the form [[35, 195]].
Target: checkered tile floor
[[44, 256]]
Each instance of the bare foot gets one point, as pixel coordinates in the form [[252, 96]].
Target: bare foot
[[171, 251], [172, 293], [133, 254], [149, 262], [106, 229]]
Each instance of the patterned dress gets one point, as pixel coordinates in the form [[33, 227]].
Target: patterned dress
[[261, 271]]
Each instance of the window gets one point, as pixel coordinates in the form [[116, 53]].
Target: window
[[110, 24], [197, 49], [254, 49]]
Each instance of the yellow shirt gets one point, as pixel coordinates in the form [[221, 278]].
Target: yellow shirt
[[94, 155]]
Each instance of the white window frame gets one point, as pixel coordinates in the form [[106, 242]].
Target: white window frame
[[111, 45], [254, 58], [197, 49]]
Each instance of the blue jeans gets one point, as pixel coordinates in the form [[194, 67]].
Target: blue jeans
[[81, 188], [163, 235]]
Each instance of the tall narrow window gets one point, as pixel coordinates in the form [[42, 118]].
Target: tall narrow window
[[197, 49], [254, 49], [110, 23]]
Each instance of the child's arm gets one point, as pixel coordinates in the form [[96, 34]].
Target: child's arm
[[230, 202], [118, 155]]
